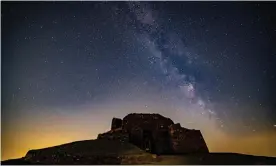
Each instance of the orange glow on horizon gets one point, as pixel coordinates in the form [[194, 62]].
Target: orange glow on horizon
[[47, 131]]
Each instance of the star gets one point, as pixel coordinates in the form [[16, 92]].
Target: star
[[180, 59]]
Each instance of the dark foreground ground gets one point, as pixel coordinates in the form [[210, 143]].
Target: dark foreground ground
[[92, 152]]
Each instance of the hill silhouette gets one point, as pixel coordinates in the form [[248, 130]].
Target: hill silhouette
[[90, 152], [128, 143]]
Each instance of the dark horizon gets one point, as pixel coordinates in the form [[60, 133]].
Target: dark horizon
[[69, 67]]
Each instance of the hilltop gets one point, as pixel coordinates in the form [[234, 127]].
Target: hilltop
[[90, 152], [138, 139]]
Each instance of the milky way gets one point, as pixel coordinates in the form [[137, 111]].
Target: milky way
[[68, 68], [168, 50]]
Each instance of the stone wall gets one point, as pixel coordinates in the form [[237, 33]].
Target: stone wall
[[186, 141], [156, 131], [148, 130], [146, 121], [116, 123], [162, 142]]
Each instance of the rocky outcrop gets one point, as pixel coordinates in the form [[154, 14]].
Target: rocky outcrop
[[156, 134]]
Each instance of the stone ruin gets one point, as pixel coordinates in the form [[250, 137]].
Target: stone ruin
[[156, 134]]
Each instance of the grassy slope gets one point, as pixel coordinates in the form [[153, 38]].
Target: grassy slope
[[133, 155], [93, 147]]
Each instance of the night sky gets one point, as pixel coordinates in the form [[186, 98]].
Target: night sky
[[68, 68]]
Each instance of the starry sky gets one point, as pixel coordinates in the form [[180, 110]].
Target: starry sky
[[68, 68]]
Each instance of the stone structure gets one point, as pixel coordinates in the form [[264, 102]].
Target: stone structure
[[186, 141], [156, 134], [116, 123]]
